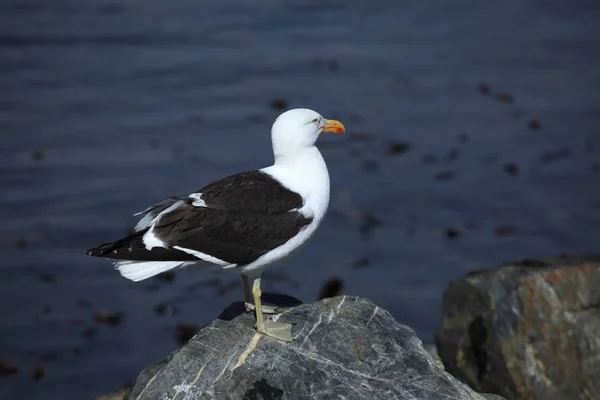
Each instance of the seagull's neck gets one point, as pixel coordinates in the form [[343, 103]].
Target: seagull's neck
[[299, 158], [304, 172]]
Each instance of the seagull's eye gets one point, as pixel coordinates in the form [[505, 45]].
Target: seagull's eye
[[315, 121]]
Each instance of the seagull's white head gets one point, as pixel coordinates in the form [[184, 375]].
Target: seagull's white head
[[298, 129]]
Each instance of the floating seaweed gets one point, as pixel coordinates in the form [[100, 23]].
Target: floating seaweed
[[279, 104], [534, 124], [361, 263], [332, 287], [6, 370], [484, 88], [505, 97], [444, 176], [38, 372], [511, 169], [452, 233], [398, 148], [108, 318], [47, 277], [505, 230]]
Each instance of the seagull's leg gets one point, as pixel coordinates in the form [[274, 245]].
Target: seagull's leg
[[269, 328], [247, 298], [249, 303]]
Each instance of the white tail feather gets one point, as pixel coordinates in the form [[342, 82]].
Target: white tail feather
[[140, 270]]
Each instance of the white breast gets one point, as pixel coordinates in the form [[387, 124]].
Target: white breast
[[306, 174]]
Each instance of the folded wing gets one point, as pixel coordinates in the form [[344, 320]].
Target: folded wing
[[231, 222]]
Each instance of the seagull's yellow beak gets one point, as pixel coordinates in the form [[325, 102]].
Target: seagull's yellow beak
[[333, 126]]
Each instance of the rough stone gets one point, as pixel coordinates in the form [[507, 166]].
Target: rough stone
[[344, 348], [528, 330]]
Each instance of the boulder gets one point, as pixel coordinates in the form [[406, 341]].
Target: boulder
[[344, 347], [528, 330]]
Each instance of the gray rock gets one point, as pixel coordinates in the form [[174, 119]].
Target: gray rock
[[432, 350], [527, 330], [344, 348]]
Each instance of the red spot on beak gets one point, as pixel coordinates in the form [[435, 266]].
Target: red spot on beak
[[333, 126]]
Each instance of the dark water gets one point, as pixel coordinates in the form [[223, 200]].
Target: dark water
[[473, 138]]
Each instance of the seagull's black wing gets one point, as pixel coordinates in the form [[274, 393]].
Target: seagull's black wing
[[235, 220], [251, 192]]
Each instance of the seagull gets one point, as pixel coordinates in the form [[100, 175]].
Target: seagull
[[243, 223]]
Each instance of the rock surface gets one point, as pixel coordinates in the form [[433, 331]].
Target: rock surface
[[528, 330], [345, 347]]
